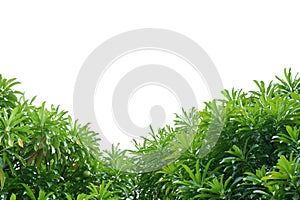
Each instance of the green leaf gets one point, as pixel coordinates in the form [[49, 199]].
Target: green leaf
[[29, 191], [13, 197]]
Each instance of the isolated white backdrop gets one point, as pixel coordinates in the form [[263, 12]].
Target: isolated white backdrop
[[44, 44]]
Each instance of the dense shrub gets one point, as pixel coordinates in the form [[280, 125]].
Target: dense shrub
[[44, 154]]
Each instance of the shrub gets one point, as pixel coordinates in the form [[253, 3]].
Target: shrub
[[44, 154]]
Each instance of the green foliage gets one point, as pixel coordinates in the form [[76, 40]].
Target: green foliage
[[284, 181], [289, 141], [8, 97], [102, 191], [244, 146], [42, 195], [43, 153]]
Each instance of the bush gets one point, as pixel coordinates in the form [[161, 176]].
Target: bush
[[44, 154]]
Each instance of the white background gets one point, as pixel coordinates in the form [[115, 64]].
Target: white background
[[44, 44]]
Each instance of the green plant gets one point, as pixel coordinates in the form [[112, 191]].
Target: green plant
[[284, 181], [42, 148], [289, 141], [244, 146], [102, 192], [42, 195]]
